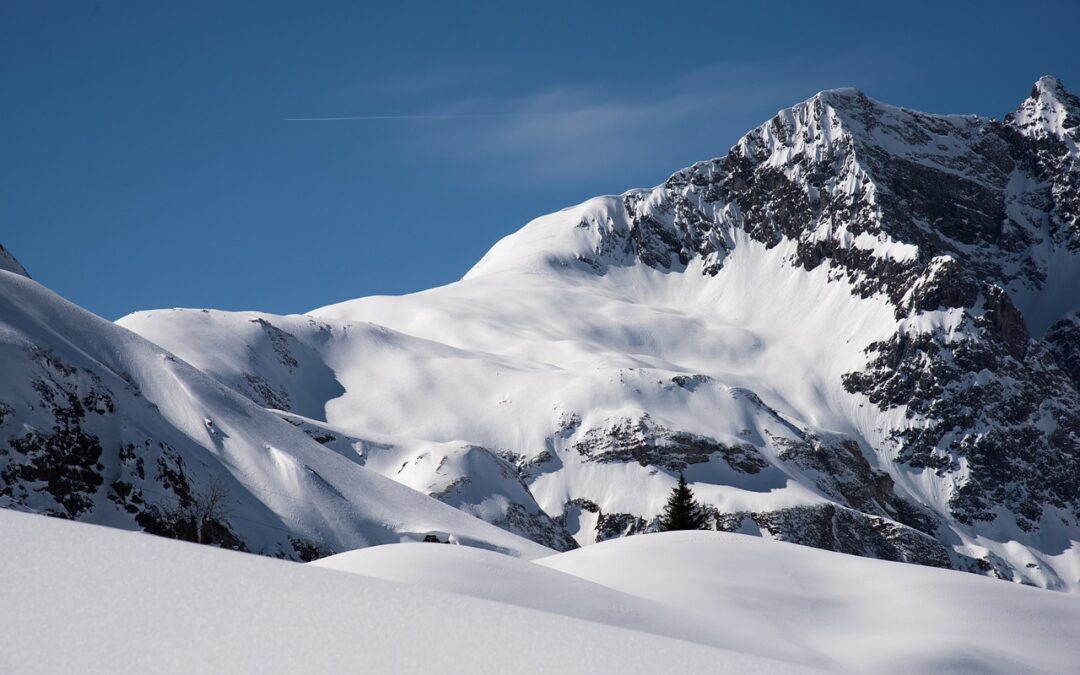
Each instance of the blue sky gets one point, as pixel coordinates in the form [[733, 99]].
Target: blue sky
[[146, 159]]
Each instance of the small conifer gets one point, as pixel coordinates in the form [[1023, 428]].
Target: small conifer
[[682, 511]]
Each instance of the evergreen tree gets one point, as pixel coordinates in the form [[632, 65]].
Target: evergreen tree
[[682, 511]]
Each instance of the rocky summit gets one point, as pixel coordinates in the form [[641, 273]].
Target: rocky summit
[[857, 330]]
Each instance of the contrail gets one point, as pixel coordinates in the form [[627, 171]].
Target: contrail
[[387, 117]]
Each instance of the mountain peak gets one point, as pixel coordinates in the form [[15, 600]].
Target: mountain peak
[[1048, 85], [8, 263], [844, 96], [841, 92], [1051, 111]]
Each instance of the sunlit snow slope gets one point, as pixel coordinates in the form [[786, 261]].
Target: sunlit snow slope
[[682, 602], [131, 603], [771, 599], [99, 424]]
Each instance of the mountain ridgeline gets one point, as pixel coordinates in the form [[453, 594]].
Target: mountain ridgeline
[[857, 330]]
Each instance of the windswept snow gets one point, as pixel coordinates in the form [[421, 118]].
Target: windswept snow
[[862, 615], [134, 603], [673, 602], [792, 603]]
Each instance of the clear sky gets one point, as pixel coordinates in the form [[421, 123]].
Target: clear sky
[[147, 160]]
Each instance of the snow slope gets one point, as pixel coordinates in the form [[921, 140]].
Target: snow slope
[[836, 331], [522, 364], [132, 603], [774, 599], [101, 425]]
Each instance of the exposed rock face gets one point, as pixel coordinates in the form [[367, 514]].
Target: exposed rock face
[[947, 218], [66, 468], [649, 444], [607, 525], [835, 528], [846, 476], [1063, 343]]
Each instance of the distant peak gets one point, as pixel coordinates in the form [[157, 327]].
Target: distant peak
[[841, 92], [1050, 111], [852, 101], [8, 263], [1048, 85], [842, 97], [1048, 91]]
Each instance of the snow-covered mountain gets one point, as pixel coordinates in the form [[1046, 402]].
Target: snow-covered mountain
[[99, 424], [670, 602], [856, 330]]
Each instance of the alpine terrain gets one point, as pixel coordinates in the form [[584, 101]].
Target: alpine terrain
[[100, 425], [857, 330]]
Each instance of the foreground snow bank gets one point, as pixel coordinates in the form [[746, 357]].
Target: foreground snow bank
[[85, 598], [82, 598], [777, 600]]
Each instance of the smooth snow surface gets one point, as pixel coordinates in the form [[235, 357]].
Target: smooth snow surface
[[133, 603], [797, 604]]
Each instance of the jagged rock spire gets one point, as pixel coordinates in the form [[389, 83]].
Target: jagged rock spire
[[1050, 111]]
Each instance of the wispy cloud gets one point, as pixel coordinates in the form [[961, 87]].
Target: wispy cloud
[[566, 134], [624, 132], [365, 118], [637, 131]]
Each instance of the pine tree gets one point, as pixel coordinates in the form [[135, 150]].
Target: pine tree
[[682, 511]]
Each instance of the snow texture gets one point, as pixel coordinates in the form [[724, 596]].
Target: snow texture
[[102, 425], [764, 598], [132, 603]]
